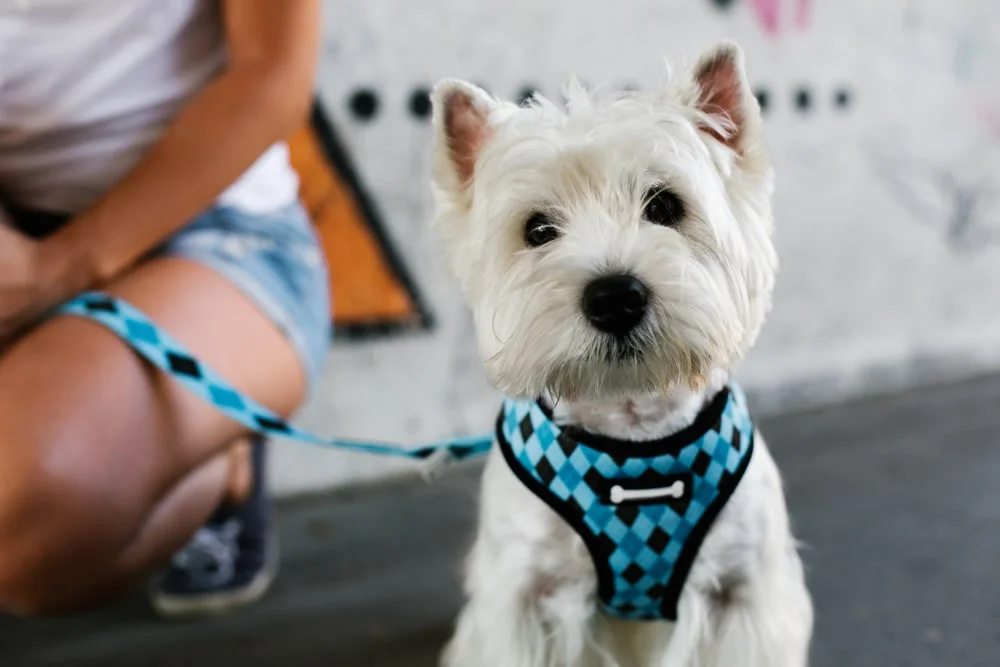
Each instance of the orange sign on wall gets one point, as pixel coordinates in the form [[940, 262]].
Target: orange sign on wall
[[372, 293]]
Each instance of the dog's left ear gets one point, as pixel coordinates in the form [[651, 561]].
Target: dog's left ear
[[462, 127], [722, 93]]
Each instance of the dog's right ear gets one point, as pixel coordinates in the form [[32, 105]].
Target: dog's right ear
[[461, 129]]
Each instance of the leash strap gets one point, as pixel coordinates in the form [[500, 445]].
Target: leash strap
[[163, 351]]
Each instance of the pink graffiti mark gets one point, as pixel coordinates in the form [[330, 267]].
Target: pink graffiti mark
[[769, 13], [803, 12], [988, 113], [990, 118]]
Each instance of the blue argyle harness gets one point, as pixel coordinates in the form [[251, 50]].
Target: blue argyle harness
[[166, 353], [643, 508]]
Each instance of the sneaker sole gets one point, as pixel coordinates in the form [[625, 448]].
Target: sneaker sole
[[216, 604]]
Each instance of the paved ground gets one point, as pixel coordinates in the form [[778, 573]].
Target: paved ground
[[898, 499]]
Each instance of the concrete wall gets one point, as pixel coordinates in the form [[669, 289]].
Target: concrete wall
[[883, 117]]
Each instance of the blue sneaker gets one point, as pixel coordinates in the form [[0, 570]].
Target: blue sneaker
[[230, 562]]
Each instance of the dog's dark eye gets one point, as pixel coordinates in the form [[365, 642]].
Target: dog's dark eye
[[539, 230], [663, 207]]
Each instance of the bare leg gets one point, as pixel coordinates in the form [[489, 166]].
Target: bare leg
[[106, 465]]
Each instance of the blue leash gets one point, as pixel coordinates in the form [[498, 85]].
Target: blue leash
[[163, 351]]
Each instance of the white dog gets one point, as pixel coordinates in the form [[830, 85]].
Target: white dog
[[617, 257]]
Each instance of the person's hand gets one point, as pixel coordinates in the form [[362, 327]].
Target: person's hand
[[36, 276], [22, 288]]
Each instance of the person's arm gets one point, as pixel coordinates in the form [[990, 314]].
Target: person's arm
[[261, 97]]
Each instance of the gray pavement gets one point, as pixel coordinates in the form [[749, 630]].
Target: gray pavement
[[897, 499]]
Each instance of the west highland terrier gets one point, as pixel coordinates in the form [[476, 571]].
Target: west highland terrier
[[617, 256]]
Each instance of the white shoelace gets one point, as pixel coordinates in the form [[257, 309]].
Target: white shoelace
[[210, 557]]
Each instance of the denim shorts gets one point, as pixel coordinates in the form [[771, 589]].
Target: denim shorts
[[275, 259]]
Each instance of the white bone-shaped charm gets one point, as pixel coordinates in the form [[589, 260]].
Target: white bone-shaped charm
[[620, 495]]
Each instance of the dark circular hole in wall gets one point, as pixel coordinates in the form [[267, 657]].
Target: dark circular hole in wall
[[525, 95], [803, 99], [364, 104], [763, 99], [842, 98], [420, 103]]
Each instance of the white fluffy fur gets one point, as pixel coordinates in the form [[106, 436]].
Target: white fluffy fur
[[530, 581]]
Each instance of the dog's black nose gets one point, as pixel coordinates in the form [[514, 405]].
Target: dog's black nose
[[615, 304]]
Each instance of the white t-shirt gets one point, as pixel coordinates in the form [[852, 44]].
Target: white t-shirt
[[87, 86]]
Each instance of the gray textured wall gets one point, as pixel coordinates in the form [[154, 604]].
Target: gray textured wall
[[883, 118]]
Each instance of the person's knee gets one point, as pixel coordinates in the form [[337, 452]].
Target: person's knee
[[52, 522]]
